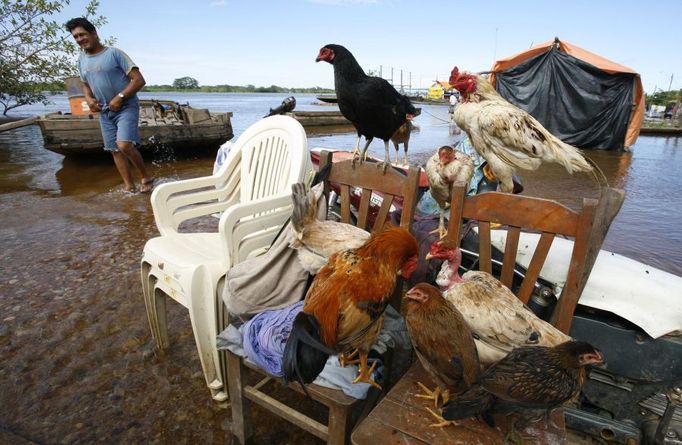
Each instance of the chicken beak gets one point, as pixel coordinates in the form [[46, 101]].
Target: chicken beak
[[428, 256], [317, 59]]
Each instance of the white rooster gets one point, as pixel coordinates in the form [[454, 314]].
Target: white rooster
[[446, 167], [506, 136]]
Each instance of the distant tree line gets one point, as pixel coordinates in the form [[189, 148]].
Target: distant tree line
[[663, 97], [189, 84]]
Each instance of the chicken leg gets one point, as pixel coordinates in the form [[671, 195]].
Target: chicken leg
[[363, 156], [356, 150], [387, 159]]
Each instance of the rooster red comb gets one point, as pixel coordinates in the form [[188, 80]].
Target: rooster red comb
[[454, 75]]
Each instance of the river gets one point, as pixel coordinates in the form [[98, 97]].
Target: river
[[78, 363]]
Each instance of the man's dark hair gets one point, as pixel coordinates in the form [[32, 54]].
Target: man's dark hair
[[80, 22]]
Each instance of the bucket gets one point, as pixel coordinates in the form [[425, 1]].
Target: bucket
[[74, 89]]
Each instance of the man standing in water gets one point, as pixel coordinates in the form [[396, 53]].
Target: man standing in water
[[110, 84]]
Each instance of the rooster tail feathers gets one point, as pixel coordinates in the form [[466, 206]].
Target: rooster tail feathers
[[472, 402], [304, 354], [305, 206], [571, 158]]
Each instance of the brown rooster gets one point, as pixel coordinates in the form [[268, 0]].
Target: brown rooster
[[316, 240], [442, 341], [343, 309], [506, 136], [528, 378], [443, 169], [499, 321]]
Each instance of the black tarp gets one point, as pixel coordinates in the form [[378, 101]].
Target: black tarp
[[576, 101]]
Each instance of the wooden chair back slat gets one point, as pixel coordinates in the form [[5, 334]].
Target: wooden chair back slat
[[535, 266], [345, 204], [383, 212], [587, 227], [484, 252], [510, 250]]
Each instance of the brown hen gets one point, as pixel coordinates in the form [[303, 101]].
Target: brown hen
[[343, 309], [442, 340]]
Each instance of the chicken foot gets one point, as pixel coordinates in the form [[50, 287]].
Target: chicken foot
[[435, 395], [441, 421], [364, 373], [346, 359], [442, 231]]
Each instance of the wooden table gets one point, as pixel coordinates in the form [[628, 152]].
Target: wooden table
[[402, 419]]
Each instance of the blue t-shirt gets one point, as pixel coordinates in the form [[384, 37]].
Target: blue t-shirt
[[107, 74]]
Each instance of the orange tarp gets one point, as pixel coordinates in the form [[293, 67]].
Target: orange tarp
[[600, 62]]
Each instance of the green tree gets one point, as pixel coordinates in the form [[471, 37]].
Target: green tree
[[185, 83], [36, 51]]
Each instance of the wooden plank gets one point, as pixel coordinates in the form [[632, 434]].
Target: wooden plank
[[345, 202], [522, 211], [281, 410], [18, 124], [456, 208], [510, 249], [363, 208], [484, 249], [345, 172], [535, 266], [383, 212], [241, 408], [402, 418]]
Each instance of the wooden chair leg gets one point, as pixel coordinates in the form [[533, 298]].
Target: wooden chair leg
[[338, 426], [241, 406]]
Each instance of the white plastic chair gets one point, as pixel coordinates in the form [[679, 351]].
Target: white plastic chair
[[253, 192]]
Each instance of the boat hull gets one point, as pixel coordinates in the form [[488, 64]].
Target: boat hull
[[72, 135]]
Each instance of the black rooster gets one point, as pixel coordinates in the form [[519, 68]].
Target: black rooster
[[370, 103]]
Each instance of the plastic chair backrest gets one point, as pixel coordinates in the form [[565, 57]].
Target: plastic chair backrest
[[269, 165]]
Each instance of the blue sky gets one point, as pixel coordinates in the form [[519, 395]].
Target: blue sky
[[240, 42]]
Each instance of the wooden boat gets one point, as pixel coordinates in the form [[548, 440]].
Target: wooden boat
[[319, 118], [327, 98], [324, 118], [162, 122]]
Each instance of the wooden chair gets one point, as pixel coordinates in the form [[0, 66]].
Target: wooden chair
[[587, 227], [348, 178], [402, 418]]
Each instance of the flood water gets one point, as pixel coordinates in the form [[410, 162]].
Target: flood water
[[77, 360]]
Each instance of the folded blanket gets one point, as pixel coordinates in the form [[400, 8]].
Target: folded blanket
[[265, 336], [261, 341]]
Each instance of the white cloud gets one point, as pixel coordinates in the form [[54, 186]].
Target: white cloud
[[219, 3]]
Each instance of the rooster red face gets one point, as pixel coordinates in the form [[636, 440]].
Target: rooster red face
[[463, 82], [409, 267], [446, 154], [445, 249], [326, 54]]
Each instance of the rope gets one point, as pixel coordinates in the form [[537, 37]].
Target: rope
[[432, 115]]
